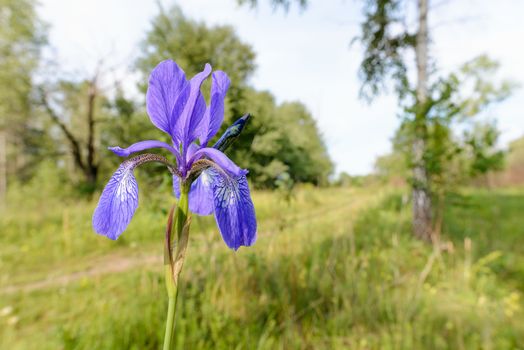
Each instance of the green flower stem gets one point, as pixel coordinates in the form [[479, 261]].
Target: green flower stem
[[174, 260], [170, 324]]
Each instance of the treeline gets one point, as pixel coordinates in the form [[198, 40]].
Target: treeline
[[69, 122]]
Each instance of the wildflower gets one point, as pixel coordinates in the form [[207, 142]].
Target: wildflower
[[215, 184]]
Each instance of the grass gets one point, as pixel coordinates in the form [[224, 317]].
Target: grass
[[335, 269]]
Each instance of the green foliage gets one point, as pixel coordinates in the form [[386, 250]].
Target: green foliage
[[21, 38], [516, 153], [453, 159], [456, 101], [73, 120], [73, 108], [22, 35], [285, 140], [279, 139], [514, 171], [492, 220], [193, 44], [358, 181], [384, 47], [348, 275], [391, 166], [482, 142], [431, 106]]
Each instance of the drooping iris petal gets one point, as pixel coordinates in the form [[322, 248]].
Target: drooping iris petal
[[189, 109], [117, 203], [214, 115], [219, 158], [141, 146], [201, 193], [166, 83], [234, 211]]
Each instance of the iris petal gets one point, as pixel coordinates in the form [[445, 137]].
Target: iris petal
[[191, 150], [214, 115], [166, 83], [176, 186], [201, 193], [234, 211], [219, 158], [117, 203], [142, 146], [189, 110]]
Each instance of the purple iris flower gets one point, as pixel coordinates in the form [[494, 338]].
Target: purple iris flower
[[177, 107]]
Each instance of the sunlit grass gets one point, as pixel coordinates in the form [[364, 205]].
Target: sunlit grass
[[334, 269]]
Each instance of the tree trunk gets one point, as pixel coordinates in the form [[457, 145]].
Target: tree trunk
[[84, 158], [91, 170], [421, 194]]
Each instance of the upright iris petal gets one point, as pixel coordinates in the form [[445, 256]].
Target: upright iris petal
[[117, 203], [189, 109], [214, 115], [166, 83]]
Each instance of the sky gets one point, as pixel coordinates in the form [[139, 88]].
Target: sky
[[305, 55]]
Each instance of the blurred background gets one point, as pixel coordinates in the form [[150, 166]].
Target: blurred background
[[385, 157]]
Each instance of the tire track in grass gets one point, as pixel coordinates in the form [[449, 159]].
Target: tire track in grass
[[115, 263]]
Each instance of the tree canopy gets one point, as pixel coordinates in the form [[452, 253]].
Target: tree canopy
[[280, 139]]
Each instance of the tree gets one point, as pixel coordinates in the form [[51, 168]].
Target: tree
[[75, 108], [484, 154], [384, 58], [285, 142], [22, 35], [452, 103], [280, 140], [192, 44], [511, 172], [514, 172], [391, 167], [429, 104]]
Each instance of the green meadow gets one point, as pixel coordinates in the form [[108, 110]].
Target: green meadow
[[334, 268], [385, 160]]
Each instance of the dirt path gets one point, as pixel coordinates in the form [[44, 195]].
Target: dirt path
[[116, 263], [107, 265]]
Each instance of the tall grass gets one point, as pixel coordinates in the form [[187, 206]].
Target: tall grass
[[335, 269]]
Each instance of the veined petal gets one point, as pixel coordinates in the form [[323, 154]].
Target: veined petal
[[189, 109], [214, 115], [234, 211], [117, 203], [176, 186], [220, 159], [141, 146], [201, 193], [166, 83]]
